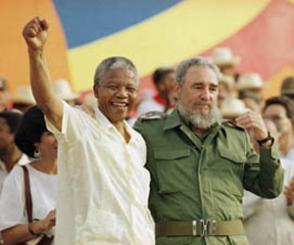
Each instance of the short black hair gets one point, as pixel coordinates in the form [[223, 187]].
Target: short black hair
[[13, 119], [159, 73], [284, 101], [30, 130]]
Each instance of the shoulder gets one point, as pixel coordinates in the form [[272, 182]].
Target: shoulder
[[152, 115]]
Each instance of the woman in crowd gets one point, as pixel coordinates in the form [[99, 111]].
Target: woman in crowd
[[33, 139]]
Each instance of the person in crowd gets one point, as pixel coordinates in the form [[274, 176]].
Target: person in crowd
[[164, 99], [227, 89], [103, 186], [4, 95], [200, 166], [36, 141], [273, 215], [226, 61], [10, 154], [287, 88], [22, 98], [64, 91], [250, 82]]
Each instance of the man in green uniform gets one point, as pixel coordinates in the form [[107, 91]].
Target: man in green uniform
[[200, 166]]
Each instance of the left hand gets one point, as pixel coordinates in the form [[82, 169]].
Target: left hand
[[254, 123]]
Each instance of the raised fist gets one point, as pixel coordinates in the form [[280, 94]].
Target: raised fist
[[35, 33]]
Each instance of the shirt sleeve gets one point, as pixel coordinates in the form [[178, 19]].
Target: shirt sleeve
[[74, 124], [264, 173], [12, 201]]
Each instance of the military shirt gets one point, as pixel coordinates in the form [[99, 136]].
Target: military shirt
[[193, 178]]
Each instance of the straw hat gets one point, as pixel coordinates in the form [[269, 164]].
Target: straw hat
[[232, 107], [23, 95], [228, 80], [249, 81], [223, 56], [63, 90]]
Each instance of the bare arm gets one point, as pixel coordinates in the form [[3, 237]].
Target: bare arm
[[35, 33], [21, 233]]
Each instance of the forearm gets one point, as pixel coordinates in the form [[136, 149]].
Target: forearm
[[17, 234]]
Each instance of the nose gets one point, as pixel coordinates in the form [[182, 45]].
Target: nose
[[205, 94], [122, 92]]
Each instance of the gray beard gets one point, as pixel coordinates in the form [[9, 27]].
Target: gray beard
[[199, 119]]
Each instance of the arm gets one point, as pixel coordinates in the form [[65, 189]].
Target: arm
[[35, 35], [263, 174], [25, 232]]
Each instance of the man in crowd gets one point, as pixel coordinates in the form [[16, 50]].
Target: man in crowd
[[273, 215], [200, 167], [9, 152], [164, 99], [102, 195]]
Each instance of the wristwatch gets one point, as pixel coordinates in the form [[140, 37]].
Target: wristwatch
[[265, 140]]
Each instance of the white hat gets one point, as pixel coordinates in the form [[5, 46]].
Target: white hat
[[222, 56], [63, 90], [23, 94], [226, 79], [249, 81], [232, 107]]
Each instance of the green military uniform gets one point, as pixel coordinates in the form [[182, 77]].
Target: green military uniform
[[194, 179]]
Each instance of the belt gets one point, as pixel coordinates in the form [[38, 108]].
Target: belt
[[200, 228]]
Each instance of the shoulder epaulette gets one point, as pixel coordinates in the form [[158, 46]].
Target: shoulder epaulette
[[152, 115]]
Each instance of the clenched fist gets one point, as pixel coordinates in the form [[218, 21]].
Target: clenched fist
[[35, 34]]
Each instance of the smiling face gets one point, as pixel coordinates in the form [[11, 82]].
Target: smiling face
[[116, 93]]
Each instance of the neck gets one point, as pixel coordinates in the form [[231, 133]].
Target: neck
[[11, 157], [199, 131], [46, 165], [120, 126]]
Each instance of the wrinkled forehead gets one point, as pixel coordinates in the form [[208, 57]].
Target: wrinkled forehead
[[202, 75]]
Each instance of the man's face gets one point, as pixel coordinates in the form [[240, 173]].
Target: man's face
[[116, 94], [6, 137], [200, 90], [198, 97], [278, 115]]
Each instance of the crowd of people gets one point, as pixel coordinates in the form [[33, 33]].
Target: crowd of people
[[203, 160]]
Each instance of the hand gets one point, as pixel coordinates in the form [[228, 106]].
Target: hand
[[35, 34], [44, 225], [289, 192], [254, 123]]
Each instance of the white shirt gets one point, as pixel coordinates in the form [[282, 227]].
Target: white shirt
[[12, 202], [102, 187], [267, 220], [3, 171]]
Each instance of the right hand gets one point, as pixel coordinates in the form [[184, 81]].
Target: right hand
[[35, 33]]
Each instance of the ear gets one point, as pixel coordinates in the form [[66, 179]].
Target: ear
[[178, 90], [96, 91]]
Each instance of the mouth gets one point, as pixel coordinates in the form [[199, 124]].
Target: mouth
[[120, 104]]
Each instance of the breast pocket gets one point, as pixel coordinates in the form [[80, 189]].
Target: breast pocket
[[175, 170]]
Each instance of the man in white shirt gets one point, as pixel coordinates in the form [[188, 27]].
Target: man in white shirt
[[10, 155], [102, 186]]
